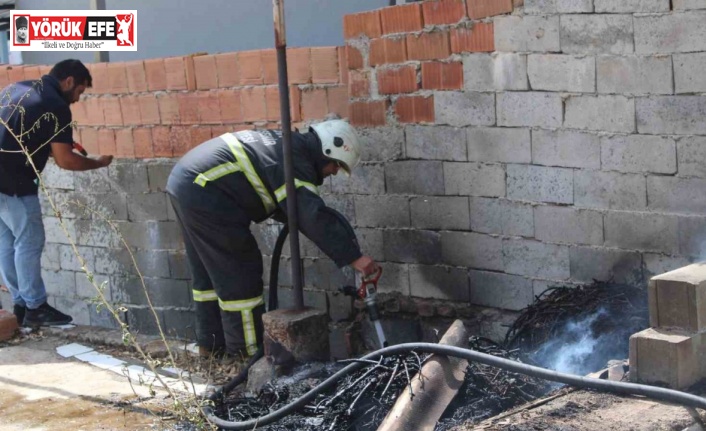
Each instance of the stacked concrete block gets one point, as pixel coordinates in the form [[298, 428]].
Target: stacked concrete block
[[673, 351]]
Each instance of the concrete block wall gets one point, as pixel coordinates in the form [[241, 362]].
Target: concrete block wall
[[510, 146], [148, 114], [544, 143]]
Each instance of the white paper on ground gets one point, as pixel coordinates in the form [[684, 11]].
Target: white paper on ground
[[72, 349]]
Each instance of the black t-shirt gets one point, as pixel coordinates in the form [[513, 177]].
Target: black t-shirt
[[38, 115]]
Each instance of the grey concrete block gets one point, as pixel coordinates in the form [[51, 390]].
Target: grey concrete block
[[179, 266], [556, 72], [536, 259], [657, 264], [129, 177], [670, 33], [162, 292], [87, 289], [179, 324], [528, 33], [639, 153], [529, 109], [103, 206], [381, 144], [76, 309], [495, 144], [692, 236], [549, 7], [56, 230], [439, 282], [509, 292], [568, 225], [671, 115], [495, 72], [566, 149], [464, 108], [641, 231], [597, 34], [150, 263], [604, 264], [395, 278], [97, 234], [415, 177], [601, 113], [540, 184], [688, 4], [100, 317], [94, 181], [340, 306], [412, 246], [142, 320], [474, 179], [152, 235], [60, 283], [634, 75], [691, 153], [500, 216], [147, 206], [70, 261], [50, 257], [688, 73], [472, 250], [435, 143], [674, 194], [629, 6], [371, 242], [322, 274], [368, 179], [158, 174], [56, 178], [610, 190], [444, 212], [382, 211]]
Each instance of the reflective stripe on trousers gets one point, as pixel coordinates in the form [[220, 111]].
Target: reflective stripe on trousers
[[244, 307]]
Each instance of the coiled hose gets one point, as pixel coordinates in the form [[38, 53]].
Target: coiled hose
[[653, 392]]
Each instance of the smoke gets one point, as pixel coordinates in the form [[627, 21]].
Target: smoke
[[580, 349]]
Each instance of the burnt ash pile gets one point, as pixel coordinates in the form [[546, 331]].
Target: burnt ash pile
[[579, 329], [361, 400], [571, 329]]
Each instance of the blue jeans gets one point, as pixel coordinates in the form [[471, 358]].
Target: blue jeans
[[21, 244]]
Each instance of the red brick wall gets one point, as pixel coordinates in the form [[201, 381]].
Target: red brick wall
[[398, 55], [163, 107], [395, 57]]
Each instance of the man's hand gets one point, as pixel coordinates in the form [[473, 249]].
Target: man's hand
[[104, 160], [365, 265]]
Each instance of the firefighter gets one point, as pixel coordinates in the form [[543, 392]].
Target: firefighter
[[222, 186]]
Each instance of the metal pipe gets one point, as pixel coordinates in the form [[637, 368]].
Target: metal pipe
[[100, 56], [292, 215]]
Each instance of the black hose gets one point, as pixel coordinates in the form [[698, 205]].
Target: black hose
[[653, 392], [273, 302]]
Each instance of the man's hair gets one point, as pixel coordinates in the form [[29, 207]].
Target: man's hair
[[73, 68], [20, 22]]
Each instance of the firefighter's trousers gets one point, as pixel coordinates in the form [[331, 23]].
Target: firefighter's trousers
[[226, 268]]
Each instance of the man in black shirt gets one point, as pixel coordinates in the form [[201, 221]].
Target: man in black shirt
[[37, 124]]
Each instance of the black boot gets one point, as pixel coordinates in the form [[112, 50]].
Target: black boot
[[45, 315], [19, 311]]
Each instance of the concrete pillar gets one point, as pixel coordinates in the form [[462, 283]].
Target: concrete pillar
[[296, 335]]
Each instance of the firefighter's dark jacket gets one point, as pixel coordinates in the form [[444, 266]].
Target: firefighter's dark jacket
[[218, 193]]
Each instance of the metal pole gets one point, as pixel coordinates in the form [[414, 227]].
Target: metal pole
[[292, 215], [99, 56]]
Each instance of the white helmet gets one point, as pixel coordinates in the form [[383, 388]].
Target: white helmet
[[339, 142]]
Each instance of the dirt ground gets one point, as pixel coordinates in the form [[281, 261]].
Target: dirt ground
[[591, 411]]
